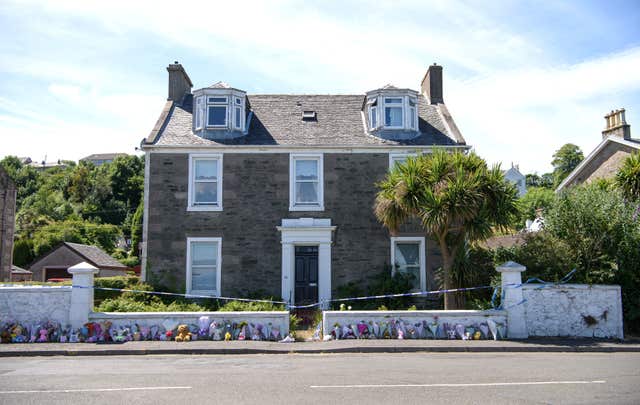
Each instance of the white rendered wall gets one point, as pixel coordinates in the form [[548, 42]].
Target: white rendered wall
[[35, 304], [567, 310]]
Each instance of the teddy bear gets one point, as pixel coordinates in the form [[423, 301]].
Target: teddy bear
[[183, 334]]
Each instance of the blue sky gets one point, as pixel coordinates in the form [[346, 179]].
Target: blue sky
[[521, 78]]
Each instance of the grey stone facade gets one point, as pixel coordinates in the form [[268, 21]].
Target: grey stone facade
[[7, 223], [255, 200], [604, 165]]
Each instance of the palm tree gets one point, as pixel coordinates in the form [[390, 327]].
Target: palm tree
[[455, 196], [628, 177]]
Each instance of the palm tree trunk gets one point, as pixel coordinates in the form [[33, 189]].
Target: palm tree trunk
[[447, 264]]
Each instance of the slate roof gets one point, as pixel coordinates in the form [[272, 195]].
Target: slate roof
[[96, 256], [277, 120], [103, 156]]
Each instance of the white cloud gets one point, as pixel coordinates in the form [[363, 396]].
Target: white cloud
[[525, 115], [511, 98]]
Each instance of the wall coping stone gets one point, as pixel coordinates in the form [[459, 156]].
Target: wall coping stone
[[162, 315]]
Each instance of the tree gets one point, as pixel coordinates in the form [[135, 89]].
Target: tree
[[536, 198], [603, 233], [534, 180], [455, 196], [565, 160], [628, 177]]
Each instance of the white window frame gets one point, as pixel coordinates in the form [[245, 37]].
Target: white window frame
[[192, 206], [400, 105], [218, 266], [422, 252], [292, 182], [393, 157]]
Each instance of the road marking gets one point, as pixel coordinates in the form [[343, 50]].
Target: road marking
[[95, 390], [497, 384]]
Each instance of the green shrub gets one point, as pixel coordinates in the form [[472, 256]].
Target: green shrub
[[153, 304], [233, 306], [381, 284]]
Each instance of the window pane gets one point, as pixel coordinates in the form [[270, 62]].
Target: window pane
[[408, 254], [412, 117], [399, 160], [206, 169], [393, 116], [206, 193], [374, 117], [217, 99], [238, 101], [217, 115], [238, 117], [204, 253], [306, 169], [203, 278], [393, 100], [307, 192], [408, 261]]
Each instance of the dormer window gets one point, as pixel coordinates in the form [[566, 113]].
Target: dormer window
[[219, 110], [393, 109]]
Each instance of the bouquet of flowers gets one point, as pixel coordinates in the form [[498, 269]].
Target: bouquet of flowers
[[203, 324], [484, 329], [419, 328], [433, 327]]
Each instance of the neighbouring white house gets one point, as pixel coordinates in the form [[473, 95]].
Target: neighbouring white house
[[518, 179]]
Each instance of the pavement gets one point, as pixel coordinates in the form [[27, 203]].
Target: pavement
[[337, 346]]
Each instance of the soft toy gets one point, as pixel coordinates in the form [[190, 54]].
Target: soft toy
[[44, 335], [73, 337], [363, 330], [215, 331], [17, 335], [203, 326], [227, 337], [183, 334]]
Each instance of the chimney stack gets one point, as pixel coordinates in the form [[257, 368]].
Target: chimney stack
[[431, 85], [616, 125], [179, 82]]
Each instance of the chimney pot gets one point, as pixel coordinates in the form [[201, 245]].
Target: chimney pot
[[616, 125]]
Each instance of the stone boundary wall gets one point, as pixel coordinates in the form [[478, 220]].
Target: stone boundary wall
[[278, 319], [466, 318], [578, 310], [33, 304]]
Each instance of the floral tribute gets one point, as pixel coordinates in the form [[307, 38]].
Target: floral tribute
[[425, 329], [168, 330]]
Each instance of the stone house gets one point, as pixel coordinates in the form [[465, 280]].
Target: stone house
[[274, 193], [516, 178], [607, 158], [98, 159], [54, 264], [8, 194]]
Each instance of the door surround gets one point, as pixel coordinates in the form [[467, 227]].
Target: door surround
[[306, 232]]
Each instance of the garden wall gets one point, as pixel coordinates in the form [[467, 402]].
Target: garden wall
[[28, 304], [573, 310]]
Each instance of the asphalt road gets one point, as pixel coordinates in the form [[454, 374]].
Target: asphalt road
[[412, 378]]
